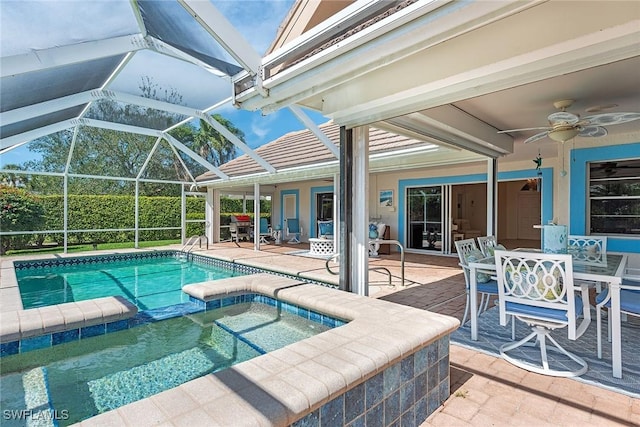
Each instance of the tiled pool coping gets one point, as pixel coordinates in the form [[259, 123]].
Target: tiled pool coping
[[389, 364]]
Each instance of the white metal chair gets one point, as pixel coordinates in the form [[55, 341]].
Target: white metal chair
[[588, 249], [629, 304], [294, 228], [486, 242], [588, 244], [538, 289], [468, 250]]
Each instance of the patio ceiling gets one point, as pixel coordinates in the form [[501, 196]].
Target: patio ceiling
[[455, 73]]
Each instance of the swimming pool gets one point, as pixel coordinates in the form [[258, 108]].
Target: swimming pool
[[148, 280], [78, 380]]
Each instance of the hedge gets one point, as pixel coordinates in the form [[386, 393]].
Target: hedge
[[113, 211]]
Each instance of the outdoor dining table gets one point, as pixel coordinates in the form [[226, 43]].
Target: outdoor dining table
[[609, 269]]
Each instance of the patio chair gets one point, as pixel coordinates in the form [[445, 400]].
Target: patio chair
[[265, 231], [595, 244], [629, 304], [468, 251], [294, 228], [538, 289], [325, 229], [588, 249], [488, 244]]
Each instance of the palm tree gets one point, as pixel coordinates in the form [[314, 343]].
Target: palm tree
[[214, 147]]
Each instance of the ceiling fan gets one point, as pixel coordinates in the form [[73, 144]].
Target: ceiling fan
[[564, 125]]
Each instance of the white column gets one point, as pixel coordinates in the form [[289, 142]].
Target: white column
[[215, 214], [492, 196], [65, 212], [210, 225], [360, 218], [137, 215], [256, 216], [183, 215], [336, 213]]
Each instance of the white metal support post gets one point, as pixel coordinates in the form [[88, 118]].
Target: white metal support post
[[256, 216], [211, 226], [360, 217], [492, 196], [183, 215], [336, 213], [137, 215]]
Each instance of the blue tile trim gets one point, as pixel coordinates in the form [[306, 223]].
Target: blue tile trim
[[35, 343], [142, 318], [392, 397], [9, 348], [235, 268]]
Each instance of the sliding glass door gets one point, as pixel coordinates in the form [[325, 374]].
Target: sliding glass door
[[425, 218]]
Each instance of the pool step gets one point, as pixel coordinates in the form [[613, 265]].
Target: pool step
[[26, 401], [115, 390]]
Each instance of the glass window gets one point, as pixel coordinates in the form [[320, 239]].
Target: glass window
[[614, 197]]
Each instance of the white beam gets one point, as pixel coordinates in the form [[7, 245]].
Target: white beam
[[221, 29], [46, 107], [187, 111], [101, 124], [36, 133], [43, 59], [305, 120], [168, 50], [180, 146], [237, 142]]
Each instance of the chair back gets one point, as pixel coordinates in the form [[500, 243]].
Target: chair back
[[539, 287], [464, 248], [325, 228], [595, 244], [264, 226], [293, 225], [486, 242]]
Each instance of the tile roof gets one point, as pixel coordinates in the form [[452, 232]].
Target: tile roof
[[302, 148]]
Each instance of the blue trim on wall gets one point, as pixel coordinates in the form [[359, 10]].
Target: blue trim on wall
[[479, 178], [283, 193], [312, 215], [578, 197]]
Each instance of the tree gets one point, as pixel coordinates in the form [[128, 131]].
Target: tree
[[105, 152], [19, 211], [214, 147]]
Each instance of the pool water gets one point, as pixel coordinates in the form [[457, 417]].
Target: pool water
[[148, 283], [94, 375]]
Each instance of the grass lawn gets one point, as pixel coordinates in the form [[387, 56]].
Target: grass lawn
[[89, 247]]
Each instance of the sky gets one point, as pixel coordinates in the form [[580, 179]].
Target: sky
[[256, 20]]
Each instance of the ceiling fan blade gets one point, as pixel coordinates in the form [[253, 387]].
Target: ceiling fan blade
[[536, 137], [593, 131], [523, 129], [563, 117], [605, 119]]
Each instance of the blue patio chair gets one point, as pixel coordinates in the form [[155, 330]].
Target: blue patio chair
[[538, 289], [487, 287], [325, 229], [265, 231], [294, 228]]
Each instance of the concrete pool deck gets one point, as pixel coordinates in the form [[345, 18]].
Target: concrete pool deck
[[485, 390]]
